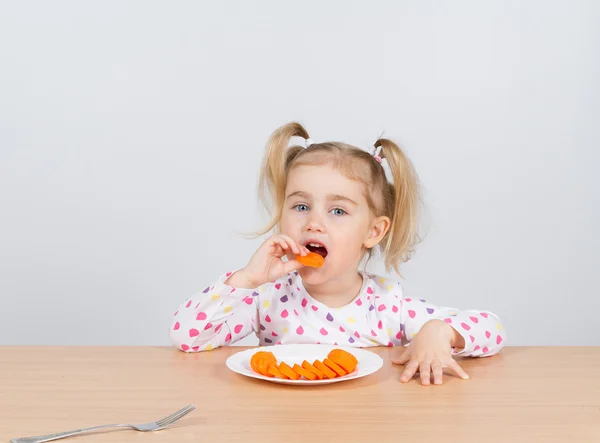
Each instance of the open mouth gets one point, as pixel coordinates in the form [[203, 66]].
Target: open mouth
[[317, 248]]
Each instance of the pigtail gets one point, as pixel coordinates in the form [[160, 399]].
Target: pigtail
[[272, 180], [402, 201]]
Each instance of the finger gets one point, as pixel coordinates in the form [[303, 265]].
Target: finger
[[409, 371], [291, 243], [403, 358], [281, 241], [274, 249], [292, 265], [302, 250], [425, 370], [455, 367], [438, 373], [282, 244]]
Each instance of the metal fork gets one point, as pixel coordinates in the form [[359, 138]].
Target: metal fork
[[151, 426]]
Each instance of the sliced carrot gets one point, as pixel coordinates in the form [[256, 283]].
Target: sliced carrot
[[310, 368], [324, 369], [257, 359], [304, 373], [265, 367], [331, 365], [257, 356], [274, 371], [267, 354], [254, 361], [285, 368], [344, 359], [311, 259], [337, 364]]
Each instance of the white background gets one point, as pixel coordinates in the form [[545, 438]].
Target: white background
[[131, 135]]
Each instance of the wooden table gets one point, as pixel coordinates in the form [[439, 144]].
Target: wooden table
[[525, 394]]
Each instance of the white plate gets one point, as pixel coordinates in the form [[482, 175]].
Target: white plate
[[368, 362]]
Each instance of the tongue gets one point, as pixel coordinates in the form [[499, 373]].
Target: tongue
[[318, 250]]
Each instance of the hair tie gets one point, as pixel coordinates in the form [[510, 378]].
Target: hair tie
[[308, 142], [375, 154]]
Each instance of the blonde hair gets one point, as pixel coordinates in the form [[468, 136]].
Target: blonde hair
[[398, 200]]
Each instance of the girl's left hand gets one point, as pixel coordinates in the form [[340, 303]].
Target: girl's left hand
[[431, 352]]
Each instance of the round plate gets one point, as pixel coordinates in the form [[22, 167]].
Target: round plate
[[368, 362]]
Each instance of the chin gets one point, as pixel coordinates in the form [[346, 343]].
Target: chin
[[312, 276]]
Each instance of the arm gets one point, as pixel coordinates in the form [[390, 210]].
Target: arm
[[478, 333], [219, 315], [228, 311]]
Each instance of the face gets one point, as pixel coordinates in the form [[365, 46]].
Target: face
[[328, 213]]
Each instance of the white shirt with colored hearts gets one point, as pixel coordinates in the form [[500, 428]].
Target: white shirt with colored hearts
[[283, 312]]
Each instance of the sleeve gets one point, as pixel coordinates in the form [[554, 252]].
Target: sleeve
[[218, 316], [482, 331]]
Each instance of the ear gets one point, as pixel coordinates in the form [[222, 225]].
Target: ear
[[379, 227]]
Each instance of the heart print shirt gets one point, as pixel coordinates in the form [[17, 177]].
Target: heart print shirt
[[283, 312]]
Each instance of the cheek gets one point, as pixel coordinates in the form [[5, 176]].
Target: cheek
[[288, 224], [284, 220], [352, 235], [353, 228], [349, 241]]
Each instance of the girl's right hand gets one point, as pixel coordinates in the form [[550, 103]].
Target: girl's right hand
[[266, 264]]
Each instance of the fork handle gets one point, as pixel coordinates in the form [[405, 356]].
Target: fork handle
[[58, 435]]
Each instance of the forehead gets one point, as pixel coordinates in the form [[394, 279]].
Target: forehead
[[322, 180]]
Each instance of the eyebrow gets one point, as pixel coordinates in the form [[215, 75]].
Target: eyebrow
[[331, 197]]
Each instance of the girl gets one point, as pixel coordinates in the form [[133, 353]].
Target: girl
[[334, 199]]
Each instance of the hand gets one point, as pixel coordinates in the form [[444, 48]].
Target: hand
[[431, 351], [266, 264]]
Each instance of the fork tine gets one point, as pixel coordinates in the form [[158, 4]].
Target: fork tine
[[164, 423], [175, 413], [175, 416]]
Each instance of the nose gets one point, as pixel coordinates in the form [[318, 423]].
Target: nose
[[315, 223]]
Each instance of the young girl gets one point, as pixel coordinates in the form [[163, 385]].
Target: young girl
[[334, 199]]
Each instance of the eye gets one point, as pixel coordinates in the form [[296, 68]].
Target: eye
[[301, 207], [339, 211]]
